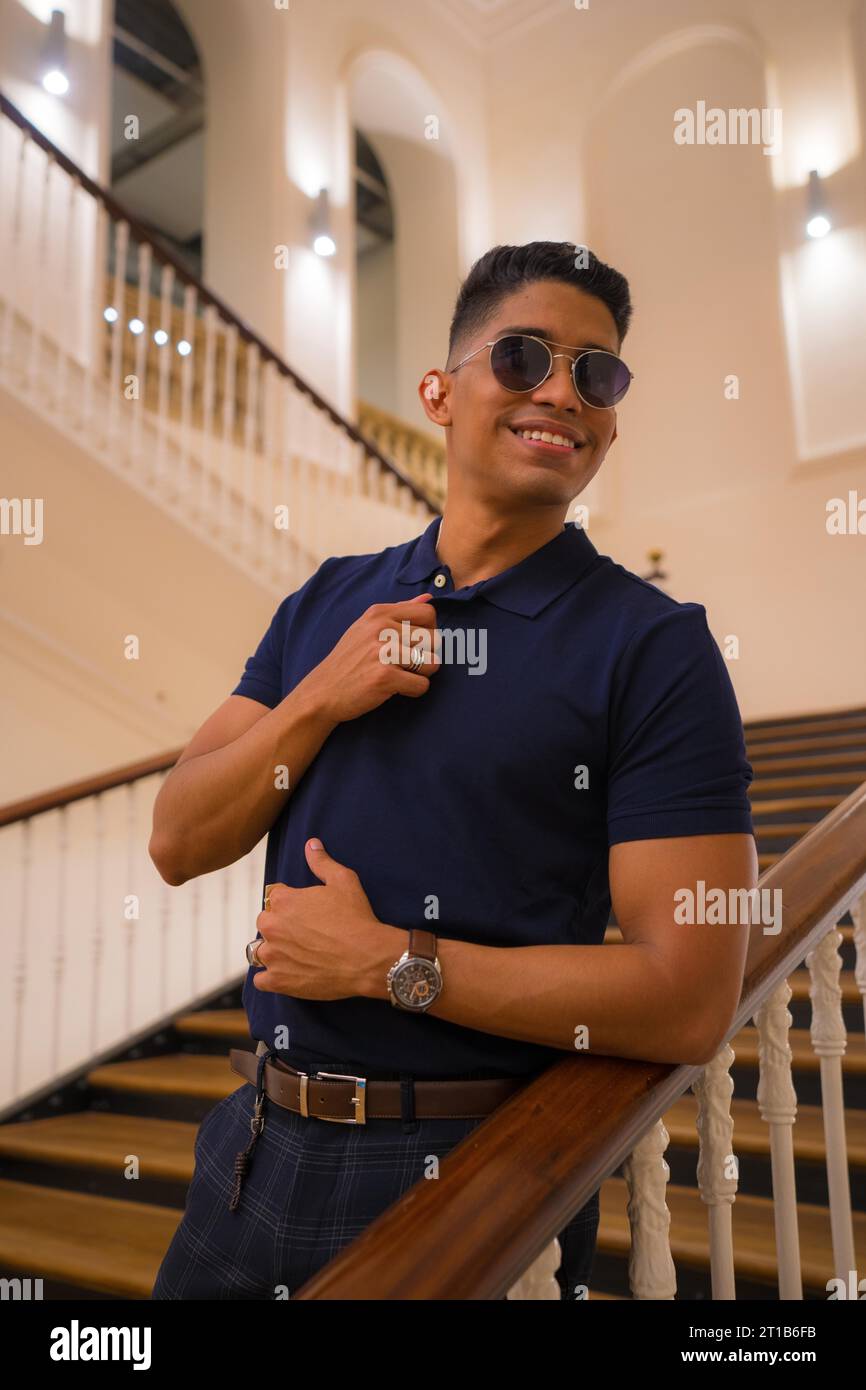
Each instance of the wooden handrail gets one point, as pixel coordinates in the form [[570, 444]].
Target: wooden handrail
[[507, 1189], [166, 256], [90, 786]]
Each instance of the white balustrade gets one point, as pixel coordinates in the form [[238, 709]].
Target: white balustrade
[[777, 1103], [829, 1040]]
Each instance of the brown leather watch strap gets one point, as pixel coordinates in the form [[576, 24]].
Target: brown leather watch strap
[[423, 944], [379, 1100]]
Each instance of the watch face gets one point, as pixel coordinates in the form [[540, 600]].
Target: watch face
[[416, 984]]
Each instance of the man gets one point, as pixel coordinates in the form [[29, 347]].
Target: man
[[584, 746]]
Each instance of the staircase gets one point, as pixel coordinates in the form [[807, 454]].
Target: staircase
[[69, 1215]]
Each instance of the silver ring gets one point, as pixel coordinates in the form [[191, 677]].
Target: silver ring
[[253, 954], [417, 659]]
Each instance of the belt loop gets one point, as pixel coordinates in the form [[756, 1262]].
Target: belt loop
[[407, 1103], [257, 1124]]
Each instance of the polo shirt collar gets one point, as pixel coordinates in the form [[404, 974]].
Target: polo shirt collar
[[525, 588]]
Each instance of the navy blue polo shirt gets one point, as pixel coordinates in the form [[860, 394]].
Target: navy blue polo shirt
[[484, 810]]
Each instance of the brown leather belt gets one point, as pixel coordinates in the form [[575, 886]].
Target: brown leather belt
[[354, 1100]]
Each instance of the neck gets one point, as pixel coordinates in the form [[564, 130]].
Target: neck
[[476, 543]]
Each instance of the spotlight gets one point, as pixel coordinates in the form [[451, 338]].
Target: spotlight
[[819, 223], [184, 348], [110, 315], [54, 78], [320, 226], [160, 337], [136, 326]]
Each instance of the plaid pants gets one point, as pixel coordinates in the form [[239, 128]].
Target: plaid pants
[[311, 1188]]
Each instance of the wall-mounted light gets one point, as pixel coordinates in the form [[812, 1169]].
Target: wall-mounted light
[[819, 223], [320, 225], [54, 76]]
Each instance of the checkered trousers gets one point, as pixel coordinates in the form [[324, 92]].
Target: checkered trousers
[[311, 1188]]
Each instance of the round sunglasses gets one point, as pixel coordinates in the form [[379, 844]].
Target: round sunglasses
[[521, 362]]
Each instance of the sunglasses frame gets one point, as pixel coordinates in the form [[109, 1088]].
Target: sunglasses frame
[[548, 343]]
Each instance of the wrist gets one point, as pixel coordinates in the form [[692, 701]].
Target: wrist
[[386, 946], [313, 703]]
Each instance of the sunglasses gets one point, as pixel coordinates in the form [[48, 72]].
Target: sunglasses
[[521, 362]]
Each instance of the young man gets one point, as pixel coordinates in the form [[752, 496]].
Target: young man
[[477, 813]]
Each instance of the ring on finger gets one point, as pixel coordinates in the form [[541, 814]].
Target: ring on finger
[[253, 954]]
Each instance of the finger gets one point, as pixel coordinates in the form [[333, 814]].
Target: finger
[[269, 887], [407, 683], [324, 866]]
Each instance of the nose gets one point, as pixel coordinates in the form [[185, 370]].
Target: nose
[[558, 390]]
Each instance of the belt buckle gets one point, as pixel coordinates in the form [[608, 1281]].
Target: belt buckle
[[359, 1099]]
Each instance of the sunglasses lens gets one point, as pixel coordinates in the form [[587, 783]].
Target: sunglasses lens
[[601, 379], [519, 363]]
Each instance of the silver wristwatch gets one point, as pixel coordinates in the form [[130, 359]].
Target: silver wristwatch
[[415, 980]]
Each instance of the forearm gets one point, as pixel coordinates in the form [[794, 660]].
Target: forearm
[[620, 998], [212, 809]]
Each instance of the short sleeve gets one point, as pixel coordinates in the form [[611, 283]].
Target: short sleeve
[[676, 753], [262, 679]]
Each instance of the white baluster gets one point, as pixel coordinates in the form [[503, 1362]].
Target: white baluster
[[717, 1165], [187, 369], [98, 942], [59, 960], [68, 337], [166, 299], [20, 966], [248, 489], [145, 255], [539, 1280], [40, 274], [118, 327], [208, 433], [858, 917], [777, 1102], [829, 1042], [651, 1269], [226, 468], [129, 923]]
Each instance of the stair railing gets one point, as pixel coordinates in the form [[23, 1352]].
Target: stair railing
[[486, 1228], [171, 390]]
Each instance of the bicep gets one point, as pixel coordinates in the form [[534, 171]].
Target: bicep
[[650, 885], [233, 718]]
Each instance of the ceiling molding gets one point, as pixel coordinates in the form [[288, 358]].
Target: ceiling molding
[[484, 22]]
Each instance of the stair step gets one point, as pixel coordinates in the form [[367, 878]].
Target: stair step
[[215, 1023], [855, 739], [775, 807], [97, 1243], [801, 980], [91, 1139], [186, 1074], [802, 783], [752, 1134], [769, 829], [806, 724], [830, 761], [754, 1233]]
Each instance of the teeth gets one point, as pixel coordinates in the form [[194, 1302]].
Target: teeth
[[547, 438]]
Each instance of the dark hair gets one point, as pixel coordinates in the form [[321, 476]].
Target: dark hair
[[504, 269]]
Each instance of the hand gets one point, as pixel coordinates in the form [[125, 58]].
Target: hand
[[353, 678], [325, 943]]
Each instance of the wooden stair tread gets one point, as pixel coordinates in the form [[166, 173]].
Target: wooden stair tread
[[752, 1134], [830, 723], [98, 1243], [855, 738], [187, 1074], [93, 1139], [754, 1233], [800, 982], [807, 763], [215, 1023], [779, 828], [763, 783], [793, 803]]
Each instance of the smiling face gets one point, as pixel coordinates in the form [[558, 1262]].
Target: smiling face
[[489, 455]]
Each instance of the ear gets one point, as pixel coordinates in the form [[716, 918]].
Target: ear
[[434, 391]]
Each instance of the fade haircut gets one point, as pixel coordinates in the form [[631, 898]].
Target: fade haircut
[[504, 269]]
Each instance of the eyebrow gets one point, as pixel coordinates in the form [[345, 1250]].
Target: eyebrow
[[540, 333]]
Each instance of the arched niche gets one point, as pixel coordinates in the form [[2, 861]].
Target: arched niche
[[693, 229], [405, 288]]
